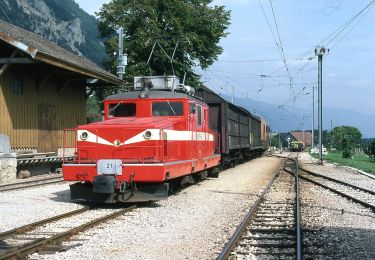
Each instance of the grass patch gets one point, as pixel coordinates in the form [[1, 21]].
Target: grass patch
[[361, 162]]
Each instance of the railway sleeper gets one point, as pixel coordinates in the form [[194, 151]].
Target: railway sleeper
[[270, 237], [277, 244], [278, 254]]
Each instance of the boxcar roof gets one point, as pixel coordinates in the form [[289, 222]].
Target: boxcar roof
[[222, 100], [152, 94]]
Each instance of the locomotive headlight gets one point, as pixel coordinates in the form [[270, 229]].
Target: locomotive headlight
[[84, 135], [117, 142], [147, 135]]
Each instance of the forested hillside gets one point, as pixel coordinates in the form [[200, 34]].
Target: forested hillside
[[62, 22]]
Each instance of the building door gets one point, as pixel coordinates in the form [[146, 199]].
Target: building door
[[47, 123]]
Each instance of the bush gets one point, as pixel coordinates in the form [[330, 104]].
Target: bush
[[347, 148], [371, 150], [346, 154]]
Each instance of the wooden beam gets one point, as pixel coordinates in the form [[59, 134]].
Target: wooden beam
[[63, 86], [57, 72], [5, 66], [42, 82], [18, 60]]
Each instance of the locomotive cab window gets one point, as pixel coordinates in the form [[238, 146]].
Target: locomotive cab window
[[167, 108], [121, 109], [199, 115], [192, 108]]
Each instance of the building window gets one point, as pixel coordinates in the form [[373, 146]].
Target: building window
[[17, 83]]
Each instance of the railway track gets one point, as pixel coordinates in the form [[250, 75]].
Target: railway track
[[271, 228], [352, 192], [45, 235], [33, 183]]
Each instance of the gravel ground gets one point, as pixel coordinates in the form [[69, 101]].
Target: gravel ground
[[193, 224], [337, 228], [38, 177], [21, 207], [339, 173]]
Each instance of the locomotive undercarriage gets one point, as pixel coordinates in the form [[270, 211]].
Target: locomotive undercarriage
[[104, 189]]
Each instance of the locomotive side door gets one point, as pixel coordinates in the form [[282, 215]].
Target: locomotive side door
[[205, 130], [192, 128], [200, 135]]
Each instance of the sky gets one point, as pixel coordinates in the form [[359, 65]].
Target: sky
[[252, 66]]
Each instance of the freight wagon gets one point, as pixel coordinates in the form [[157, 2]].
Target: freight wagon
[[242, 135]]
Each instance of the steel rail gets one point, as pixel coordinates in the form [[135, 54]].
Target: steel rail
[[228, 248], [28, 227], [363, 203], [27, 184], [38, 244], [298, 215], [338, 181]]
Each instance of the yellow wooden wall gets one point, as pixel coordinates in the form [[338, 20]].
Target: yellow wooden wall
[[37, 119]]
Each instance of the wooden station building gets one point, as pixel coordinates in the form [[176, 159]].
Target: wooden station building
[[42, 89]]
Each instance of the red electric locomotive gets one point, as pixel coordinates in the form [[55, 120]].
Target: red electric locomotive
[[149, 139]]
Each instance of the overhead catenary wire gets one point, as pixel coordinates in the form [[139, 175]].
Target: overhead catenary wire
[[257, 60], [331, 40], [359, 15], [347, 23], [278, 44], [331, 36]]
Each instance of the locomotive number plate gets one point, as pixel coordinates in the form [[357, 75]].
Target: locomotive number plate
[[110, 167]]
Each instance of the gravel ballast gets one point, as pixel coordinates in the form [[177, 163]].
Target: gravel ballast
[[338, 228], [21, 207], [193, 224], [335, 227], [336, 172]]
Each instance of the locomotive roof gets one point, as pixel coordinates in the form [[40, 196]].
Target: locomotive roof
[[152, 94]]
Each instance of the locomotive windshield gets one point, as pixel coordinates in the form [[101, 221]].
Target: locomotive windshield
[[121, 109], [167, 108]]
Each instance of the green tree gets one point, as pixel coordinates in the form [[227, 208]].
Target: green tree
[[345, 138], [283, 140], [93, 111], [197, 25]]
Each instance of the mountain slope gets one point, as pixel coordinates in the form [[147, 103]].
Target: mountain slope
[[61, 22]]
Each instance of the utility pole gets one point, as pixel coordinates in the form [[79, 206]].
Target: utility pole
[[232, 94], [320, 51], [331, 135], [303, 129], [122, 59], [313, 118]]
